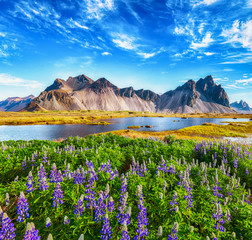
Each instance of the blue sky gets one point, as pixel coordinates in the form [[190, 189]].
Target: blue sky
[[150, 44]]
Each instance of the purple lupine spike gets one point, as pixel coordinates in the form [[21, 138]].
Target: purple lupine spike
[[45, 158], [22, 208], [247, 172], [142, 230], [24, 164], [111, 206], [100, 208], [7, 199], [57, 196], [31, 233], [7, 231], [59, 177], [67, 170], [106, 232], [48, 222], [218, 217], [173, 202], [173, 235], [125, 233], [43, 184], [122, 201], [66, 220], [53, 174], [79, 208]]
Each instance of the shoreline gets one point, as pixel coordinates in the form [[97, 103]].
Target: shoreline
[[95, 117]]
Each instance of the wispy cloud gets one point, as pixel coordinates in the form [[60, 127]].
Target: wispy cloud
[[97, 8], [125, 41], [204, 2], [244, 82], [233, 86], [9, 80], [209, 53], [146, 55], [240, 34], [106, 53], [206, 41]]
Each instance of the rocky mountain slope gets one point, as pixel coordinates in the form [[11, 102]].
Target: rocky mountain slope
[[82, 92], [14, 104], [241, 106]]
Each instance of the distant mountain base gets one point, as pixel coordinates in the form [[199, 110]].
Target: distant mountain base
[[15, 104]]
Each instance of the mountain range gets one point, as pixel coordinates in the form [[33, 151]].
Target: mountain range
[[14, 104], [241, 106], [82, 92]]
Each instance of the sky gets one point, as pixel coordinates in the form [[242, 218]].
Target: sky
[[150, 44]]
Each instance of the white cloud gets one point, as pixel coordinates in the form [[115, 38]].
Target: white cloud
[[233, 86], [228, 70], [9, 80], [125, 41], [244, 82], [209, 53], [204, 43], [240, 33], [96, 8], [2, 34], [80, 26], [249, 3], [204, 2], [146, 55], [106, 54], [179, 30]]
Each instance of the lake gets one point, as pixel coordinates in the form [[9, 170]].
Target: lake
[[50, 132]]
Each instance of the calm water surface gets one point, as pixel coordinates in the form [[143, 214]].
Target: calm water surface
[[50, 132]]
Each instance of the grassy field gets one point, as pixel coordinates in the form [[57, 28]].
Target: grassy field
[[92, 116], [207, 130]]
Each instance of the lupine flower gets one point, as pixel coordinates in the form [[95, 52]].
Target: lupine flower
[[106, 232], [247, 172], [53, 175], [7, 230], [218, 217], [67, 170], [48, 222], [66, 220], [16, 179], [100, 208], [125, 234], [173, 202], [30, 183], [45, 158], [173, 235], [50, 237], [57, 196], [22, 208], [111, 206], [142, 216], [79, 208], [160, 231], [7, 199], [31, 233], [24, 165], [122, 201]]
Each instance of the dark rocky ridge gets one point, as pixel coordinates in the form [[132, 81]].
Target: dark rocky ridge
[[82, 92]]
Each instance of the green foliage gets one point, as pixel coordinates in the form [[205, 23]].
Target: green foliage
[[182, 156]]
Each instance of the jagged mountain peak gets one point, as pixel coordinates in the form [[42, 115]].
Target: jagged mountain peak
[[79, 82], [240, 106]]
